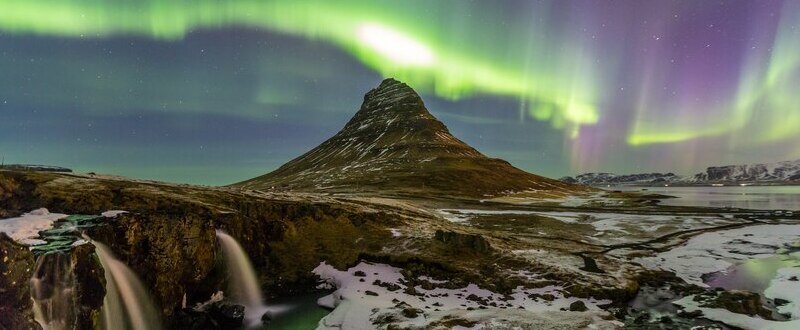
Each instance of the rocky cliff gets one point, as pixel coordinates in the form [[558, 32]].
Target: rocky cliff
[[168, 235]]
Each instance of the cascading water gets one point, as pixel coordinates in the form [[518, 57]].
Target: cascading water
[[243, 287], [127, 305], [53, 291]]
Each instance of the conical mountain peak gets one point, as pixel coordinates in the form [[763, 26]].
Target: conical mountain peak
[[393, 144], [390, 104]]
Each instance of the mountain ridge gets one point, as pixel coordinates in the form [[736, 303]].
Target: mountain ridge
[[787, 172]]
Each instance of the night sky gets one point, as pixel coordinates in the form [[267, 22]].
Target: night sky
[[213, 92]]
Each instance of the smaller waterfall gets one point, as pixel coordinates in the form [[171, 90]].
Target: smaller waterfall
[[243, 287], [53, 291], [127, 304]]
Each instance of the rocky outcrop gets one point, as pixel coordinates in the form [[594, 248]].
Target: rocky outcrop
[[394, 145], [16, 268], [90, 286]]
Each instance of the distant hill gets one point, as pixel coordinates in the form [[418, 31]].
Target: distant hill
[[393, 144], [786, 172], [38, 168]]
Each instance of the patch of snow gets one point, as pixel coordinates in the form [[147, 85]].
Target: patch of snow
[[733, 319], [787, 287], [112, 213], [395, 232], [356, 309], [25, 229], [716, 251]]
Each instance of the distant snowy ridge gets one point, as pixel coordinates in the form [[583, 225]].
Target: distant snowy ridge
[[770, 172], [610, 178], [781, 172]]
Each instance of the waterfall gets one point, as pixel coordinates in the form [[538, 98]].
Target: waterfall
[[53, 291], [243, 287], [127, 305]]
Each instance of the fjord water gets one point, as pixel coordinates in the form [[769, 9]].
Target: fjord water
[[745, 197], [243, 286], [127, 304]]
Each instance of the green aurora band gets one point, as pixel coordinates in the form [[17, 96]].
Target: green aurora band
[[557, 79], [373, 34], [766, 93]]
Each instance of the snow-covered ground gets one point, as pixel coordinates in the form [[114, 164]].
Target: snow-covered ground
[[786, 286], [370, 292], [737, 320], [25, 229], [610, 227], [718, 251]]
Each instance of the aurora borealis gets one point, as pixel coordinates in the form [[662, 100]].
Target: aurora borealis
[[217, 91]]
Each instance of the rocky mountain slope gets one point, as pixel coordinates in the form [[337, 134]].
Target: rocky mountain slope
[[394, 145], [771, 173]]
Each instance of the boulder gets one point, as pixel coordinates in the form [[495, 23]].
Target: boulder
[[473, 242]]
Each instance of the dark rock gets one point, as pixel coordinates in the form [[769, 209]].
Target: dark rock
[[690, 315], [578, 306], [227, 315], [16, 269], [642, 318], [458, 240], [411, 312], [780, 302], [741, 302], [590, 265], [359, 273], [371, 293], [389, 286], [189, 319], [90, 285]]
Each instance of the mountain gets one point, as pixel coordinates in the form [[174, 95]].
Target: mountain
[[769, 173], [785, 171], [394, 145], [595, 179]]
